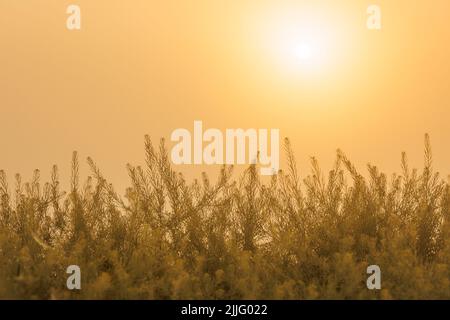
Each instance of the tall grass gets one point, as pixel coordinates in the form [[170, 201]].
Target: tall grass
[[232, 238]]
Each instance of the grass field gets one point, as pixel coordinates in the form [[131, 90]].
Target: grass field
[[236, 238]]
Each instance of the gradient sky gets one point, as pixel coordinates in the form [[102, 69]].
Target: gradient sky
[[142, 66]]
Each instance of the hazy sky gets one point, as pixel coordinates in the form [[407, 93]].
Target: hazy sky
[[143, 66]]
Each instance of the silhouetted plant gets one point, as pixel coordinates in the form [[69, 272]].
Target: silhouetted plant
[[233, 239]]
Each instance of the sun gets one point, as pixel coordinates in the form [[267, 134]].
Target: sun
[[301, 40], [303, 51], [305, 47]]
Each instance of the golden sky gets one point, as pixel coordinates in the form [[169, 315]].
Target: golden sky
[[144, 66]]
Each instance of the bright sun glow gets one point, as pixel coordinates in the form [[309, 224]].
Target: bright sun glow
[[303, 51], [302, 41], [305, 47]]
